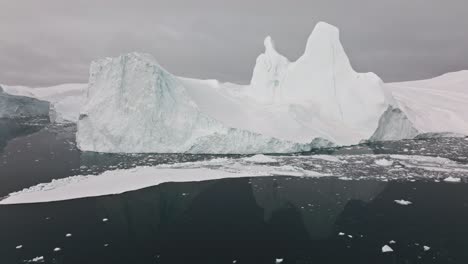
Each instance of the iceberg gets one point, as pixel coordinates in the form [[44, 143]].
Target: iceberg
[[135, 105], [426, 109], [13, 106], [437, 105], [64, 100]]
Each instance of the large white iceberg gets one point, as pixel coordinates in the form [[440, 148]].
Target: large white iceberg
[[134, 105]]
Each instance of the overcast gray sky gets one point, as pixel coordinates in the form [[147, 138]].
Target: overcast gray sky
[[53, 41]]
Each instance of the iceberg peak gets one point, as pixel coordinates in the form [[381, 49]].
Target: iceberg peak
[[269, 44], [323, 36]]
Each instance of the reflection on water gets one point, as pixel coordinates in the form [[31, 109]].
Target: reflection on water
[[249, 220]]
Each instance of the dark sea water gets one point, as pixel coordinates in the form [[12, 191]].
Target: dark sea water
[[244, 220]]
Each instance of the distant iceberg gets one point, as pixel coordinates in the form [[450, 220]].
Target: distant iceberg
[[14, 106], [63, 101]]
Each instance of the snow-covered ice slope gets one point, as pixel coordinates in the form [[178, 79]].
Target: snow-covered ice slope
[[134, 105], [65, 99], [436, 105]]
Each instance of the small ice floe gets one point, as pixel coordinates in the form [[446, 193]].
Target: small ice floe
[[426, 248], [57, 249], [106, 245], [383, 162], [278, 260], [68, 235], [260, 158], [403, 202], [341, 234], [105, 219], [345, 178], [452, 179], [350, 236], [185, 194], [19, 246], [35, 260], [386, 249], [234, 261], [392, 242]]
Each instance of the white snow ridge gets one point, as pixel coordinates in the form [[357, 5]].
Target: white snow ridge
[[134, 105]]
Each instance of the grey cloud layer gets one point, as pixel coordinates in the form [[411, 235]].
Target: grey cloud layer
[[53, 41]]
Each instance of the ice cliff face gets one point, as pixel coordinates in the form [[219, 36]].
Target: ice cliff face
[[12, 106], [134, 105]]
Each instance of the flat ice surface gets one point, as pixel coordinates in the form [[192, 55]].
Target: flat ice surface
[[355, 167]]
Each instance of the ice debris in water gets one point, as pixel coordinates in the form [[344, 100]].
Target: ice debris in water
[[384, 162], [105, 219], [19, 247], [452, 179], [68, 235], [57, 249], [392, 242], [279, 260], [426, 248], [36, 259], [386, 249], [403, 202]]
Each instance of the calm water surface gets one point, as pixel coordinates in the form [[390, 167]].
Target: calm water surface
[[246, 220]]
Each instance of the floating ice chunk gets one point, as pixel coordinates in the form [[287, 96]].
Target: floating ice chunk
[[19, 247], [384, 162], [392, 242], [106, 245], [386, 249], [452, 179], [403, 202], [57, 249], [36, 259], [279, 260], [260, 158], [350, 236], [341, 234], [105, 219], [426, 248], [68, 235]]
